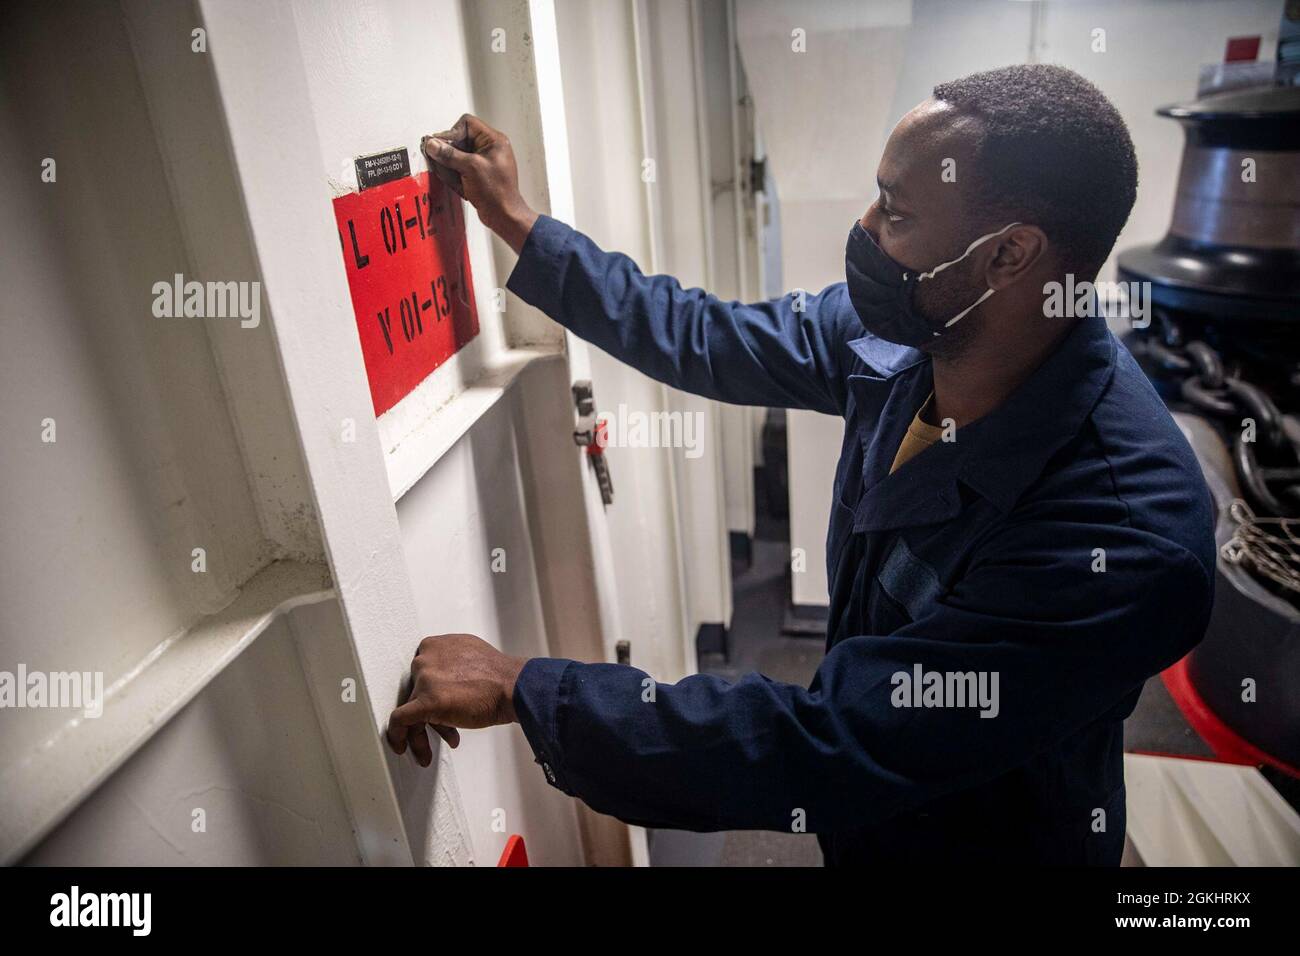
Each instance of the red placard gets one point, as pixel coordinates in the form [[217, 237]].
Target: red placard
[[408, 271]]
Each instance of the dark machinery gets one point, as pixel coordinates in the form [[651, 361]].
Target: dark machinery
[[1223, 348]]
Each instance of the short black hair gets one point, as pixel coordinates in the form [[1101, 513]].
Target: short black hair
[[1053, 151]]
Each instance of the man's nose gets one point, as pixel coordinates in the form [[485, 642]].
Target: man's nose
[[868, 222]]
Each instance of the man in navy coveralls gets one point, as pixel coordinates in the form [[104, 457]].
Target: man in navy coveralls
[[1020, 535]]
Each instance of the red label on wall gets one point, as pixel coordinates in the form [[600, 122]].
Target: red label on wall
[[408, 271]]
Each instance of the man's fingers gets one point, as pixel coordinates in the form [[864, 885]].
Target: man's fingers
[[472, 128], [406, 727], [415, 711], [396, 737], [460, 133], [472, 693], [443, 152], [396, 734], [469, 137], [454, 135], [419, 740], [449, 178]]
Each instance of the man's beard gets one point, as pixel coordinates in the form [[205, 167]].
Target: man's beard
[[937, 304], [957, 341]]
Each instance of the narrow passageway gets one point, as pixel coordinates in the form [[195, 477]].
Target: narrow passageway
[[420, 415], [761, 587]]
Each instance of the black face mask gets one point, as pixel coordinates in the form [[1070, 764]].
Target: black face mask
[[881, 290]]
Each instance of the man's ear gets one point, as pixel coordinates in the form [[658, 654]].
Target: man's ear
[[1019, 249]]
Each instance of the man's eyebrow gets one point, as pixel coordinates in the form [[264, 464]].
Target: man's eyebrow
[[887, 188]]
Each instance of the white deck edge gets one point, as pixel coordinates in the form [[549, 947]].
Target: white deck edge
[[422, 448]]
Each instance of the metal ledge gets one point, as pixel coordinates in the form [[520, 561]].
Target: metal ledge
[[42, 788], [421, 449]]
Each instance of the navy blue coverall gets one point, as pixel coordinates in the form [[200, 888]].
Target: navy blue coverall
[[1063, 542]]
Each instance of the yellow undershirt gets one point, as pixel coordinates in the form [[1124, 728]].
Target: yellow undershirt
[[920, 436]]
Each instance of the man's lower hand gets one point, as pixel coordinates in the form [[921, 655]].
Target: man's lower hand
[[458, 680]]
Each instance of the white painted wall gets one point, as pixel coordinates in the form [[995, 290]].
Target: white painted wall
[[384, 74], [728, 133], [469, 505], [611, 204], [176, 431], [97, 528], [249, 754], [265, 92], [361, 66], [153, 458], [675, 102]]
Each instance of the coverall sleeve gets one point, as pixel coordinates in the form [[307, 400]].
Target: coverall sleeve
[[1066, 642], [761, 354]]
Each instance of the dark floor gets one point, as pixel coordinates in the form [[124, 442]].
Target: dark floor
[[761, 592]]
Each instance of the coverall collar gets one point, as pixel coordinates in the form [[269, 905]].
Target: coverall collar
[[997, 456]]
